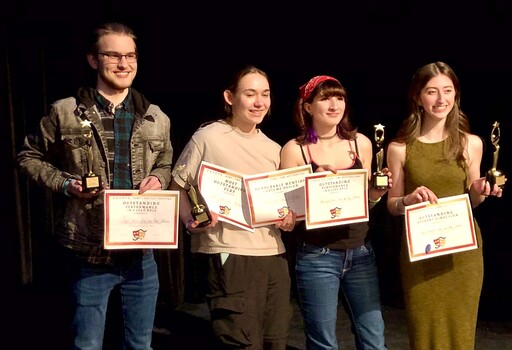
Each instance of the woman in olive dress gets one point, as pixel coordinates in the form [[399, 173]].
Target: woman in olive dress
[[434, 155]]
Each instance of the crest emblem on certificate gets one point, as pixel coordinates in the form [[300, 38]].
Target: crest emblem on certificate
[[440, 242], [139, 234], [224, 209], [335, 212], [282, 212]]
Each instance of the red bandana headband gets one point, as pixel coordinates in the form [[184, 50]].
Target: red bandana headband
[[306, 89]]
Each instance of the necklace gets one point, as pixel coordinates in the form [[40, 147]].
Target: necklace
[[328, 137]]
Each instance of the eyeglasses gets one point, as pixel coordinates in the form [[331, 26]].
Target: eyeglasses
[[116, 57]]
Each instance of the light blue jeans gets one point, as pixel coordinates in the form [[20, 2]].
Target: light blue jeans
[[321, 273], [91, 287]]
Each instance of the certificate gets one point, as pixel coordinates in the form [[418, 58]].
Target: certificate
[[148, 220], [273, 194], [224, 193], [336, 199], [438, 229]]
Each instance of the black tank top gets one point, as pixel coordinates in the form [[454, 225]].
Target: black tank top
[[340, 236]]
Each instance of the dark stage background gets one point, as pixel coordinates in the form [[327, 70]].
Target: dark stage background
[[186, 53]]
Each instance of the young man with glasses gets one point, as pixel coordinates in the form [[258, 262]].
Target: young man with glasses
[[115, 133]]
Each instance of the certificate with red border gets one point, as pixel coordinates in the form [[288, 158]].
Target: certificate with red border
[[148, 220], [336, 199], [272, 195], [223, 191], [438, 229]]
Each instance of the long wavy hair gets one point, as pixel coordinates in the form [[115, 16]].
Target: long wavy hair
[[457, 124], [304, 120]]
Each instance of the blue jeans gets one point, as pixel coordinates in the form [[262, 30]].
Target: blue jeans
[[91, 286], [320, 273]]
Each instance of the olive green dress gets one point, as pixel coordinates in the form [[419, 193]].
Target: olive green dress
[[441, 294]]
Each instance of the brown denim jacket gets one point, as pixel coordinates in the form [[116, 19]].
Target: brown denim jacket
[[57, 151]]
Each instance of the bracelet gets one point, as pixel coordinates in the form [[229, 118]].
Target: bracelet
[[65, 187], [374, 201], [187, 225]]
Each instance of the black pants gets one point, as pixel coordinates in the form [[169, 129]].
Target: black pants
[[249, 300]]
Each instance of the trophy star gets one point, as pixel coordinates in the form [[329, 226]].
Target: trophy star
[[86, 123], [379, 127]]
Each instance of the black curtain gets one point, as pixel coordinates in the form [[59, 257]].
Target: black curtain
[[42, 60]]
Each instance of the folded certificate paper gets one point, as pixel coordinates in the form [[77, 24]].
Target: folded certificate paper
[[273, 194], [223, 191], [250, 201], [439, 229]]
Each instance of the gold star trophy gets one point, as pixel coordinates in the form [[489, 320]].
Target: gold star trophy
[[90, 180], [379, 180], [199, 211], [495, 176]]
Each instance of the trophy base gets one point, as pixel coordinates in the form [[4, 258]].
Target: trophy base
[[495, 177], [202, 215], [91, 182], [379, 181], [199, 210]]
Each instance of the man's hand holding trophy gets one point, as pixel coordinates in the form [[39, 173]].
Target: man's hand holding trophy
[[90, 181]]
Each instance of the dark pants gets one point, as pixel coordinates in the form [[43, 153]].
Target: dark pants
[[249, 300]]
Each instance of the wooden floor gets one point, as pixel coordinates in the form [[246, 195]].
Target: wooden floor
[[35, 319]]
